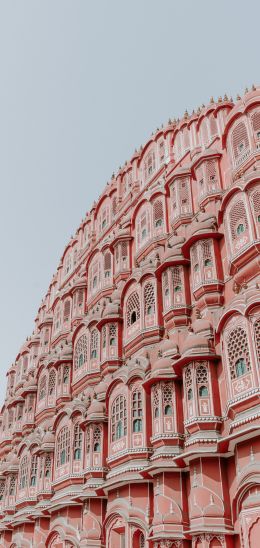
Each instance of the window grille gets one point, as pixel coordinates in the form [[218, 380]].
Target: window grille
[[158, 217], [114, 205], [88, 440], [137, 410], [2, 490], [119, 418], [66, 310], [77, 442], [238, 217], [112, 334], [23, 480], [149, 299], [167, 396], [124, 251], [42, 388], [34, 467], [257, 339], [133, 309], [52, 382], [80, 297], [94, 339], [240, 141], [141, 541], [256, 121], [213, 126], [104, 336], [97, 433], [47, 468], [156, 401], [81, 352], [12, 486], [63, 447], [66, 374], [238, 353]]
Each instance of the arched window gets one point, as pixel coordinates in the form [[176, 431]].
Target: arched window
[[156, 401], [63, 447], [52, 382], [158, 217], [34, 467], [66, 374], [149, 299], [132, 309], [23, 479], [143, 224], [255, 119], [137, 410], [202, 380], [12, 485], [203, 391], [94, 343], [255, 206], [81, 352], [42, 388], [97, 433], [107, 265], [238, 352], [149, 165], [77, 442], [66, 314], [47, 467], [188, 383], [240, 142], [167, 396], [57, 318], [112, 334], [257, 339], [2, 489], [119, 418]]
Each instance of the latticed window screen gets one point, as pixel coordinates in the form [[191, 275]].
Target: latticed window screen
[[119, 418], [156, 401], [114, 205], [23, 479], [124, 250], [165, 284], [202, 380], [47, 466], [141, 541], [238, 352], [94, 341], [206, 247], [257, 339], [104, 336], [66, 310], [133, 309], [176, 272], [12, 486], [238, 219], [107, 264], [34, 467], [158, 218], [97, 435], [204, 131], [149, 165], [52, 382], [149, 298], [46, 336], [2, 490], [66, 374], [112, 334], [255, 205], [240, 141], [184, 196], [63, 446], [188, 383], [137, 410], [77, 442], [167, 397], [88, 440], [256, 122], [80, 297], [81, 352], [211, 175], [42, 388]]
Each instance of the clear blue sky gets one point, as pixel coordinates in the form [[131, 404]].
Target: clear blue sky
[[82, 84]]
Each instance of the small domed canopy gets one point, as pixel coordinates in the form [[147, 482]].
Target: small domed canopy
[[96, 410], [100, 389], [196, 344], [48, 437]]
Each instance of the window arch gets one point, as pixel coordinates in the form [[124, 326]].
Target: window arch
[[119, 418], [132, 309], [149, 299], [42, 388], [167, 398], [255, 207], [107, 266], [97, 438], [137, 410], [94, 344], [143, 225], [240, 142], [257, 339], [63, 447], [202, 380], [24, 468], [52, 382], [238, 352], [255, 120], [158, 215], [34, 468], [77, 442], [238, 220], [81, 352], [149, 165], [66, 313]]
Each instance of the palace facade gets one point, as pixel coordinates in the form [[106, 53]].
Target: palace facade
[[131, 417]]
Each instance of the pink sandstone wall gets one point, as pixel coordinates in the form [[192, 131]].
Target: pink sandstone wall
[[131, 416]]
